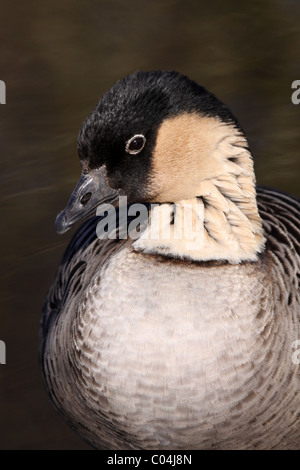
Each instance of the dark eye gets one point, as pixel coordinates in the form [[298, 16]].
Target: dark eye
[[135, 144], [85, 198]]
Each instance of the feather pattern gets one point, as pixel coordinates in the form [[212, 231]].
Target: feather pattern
[[148, 352]]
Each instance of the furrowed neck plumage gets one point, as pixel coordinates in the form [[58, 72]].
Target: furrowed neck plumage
[[224, 202]]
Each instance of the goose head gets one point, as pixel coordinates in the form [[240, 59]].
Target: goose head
[[158, 137]]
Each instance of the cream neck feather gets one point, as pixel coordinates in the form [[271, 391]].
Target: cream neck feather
[[226, 223]]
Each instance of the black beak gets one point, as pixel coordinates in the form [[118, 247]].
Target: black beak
[[90, 191]]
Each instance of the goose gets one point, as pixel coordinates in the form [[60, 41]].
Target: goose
[[174, 341]]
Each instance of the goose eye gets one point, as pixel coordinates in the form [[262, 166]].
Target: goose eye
[[135, 144], [85, 198]]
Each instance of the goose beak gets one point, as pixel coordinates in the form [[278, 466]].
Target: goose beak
[[90, 191]]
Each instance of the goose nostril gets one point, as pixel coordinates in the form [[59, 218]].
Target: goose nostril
[[85, 198]]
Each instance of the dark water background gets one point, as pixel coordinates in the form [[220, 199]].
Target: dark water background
[[56, 61]]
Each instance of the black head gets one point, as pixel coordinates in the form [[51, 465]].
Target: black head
[[120, 135], [136, 106]]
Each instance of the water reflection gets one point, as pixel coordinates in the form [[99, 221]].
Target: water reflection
[[56, 63]]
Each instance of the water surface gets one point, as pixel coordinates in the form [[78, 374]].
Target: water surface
[[57, 61]]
